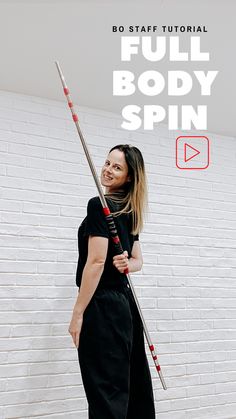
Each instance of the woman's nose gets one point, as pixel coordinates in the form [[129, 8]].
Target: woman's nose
[[108, 169]]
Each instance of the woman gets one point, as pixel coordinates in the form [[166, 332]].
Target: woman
[[105, 325]]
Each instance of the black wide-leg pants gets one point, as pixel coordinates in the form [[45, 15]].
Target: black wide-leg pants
[[112, 358]]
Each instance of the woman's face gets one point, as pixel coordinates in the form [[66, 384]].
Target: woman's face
[[114, 173]]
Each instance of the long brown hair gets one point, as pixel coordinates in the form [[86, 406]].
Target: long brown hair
[[134, 198]]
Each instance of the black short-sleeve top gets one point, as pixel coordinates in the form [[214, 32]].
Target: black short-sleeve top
[[94, 224]]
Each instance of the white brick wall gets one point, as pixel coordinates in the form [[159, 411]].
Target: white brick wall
[[187, 287]]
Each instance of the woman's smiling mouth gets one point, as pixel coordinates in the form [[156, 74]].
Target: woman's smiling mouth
[[107, 177]]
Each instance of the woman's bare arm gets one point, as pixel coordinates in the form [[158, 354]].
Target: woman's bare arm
[[97, 252], [134, 263]]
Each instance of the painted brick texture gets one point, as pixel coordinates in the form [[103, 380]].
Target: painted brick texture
[[187, 286]]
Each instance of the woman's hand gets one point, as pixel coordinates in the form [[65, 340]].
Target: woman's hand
[[75, 328], [121, 262]]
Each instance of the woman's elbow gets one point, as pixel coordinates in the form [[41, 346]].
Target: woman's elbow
[[135, 264], [140, 261], [140, 265], [96, 262]]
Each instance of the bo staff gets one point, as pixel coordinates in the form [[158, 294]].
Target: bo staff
[[110, 222]]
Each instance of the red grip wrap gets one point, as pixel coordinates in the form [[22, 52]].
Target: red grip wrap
[[154, 357], [151, 347], [70, 104], [66, 90], [75, 117], [126, 271], [106, 211], [116, 239], [158, 368]]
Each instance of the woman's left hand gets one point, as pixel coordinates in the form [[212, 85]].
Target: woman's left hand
[[75, 328], [121, 262]]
